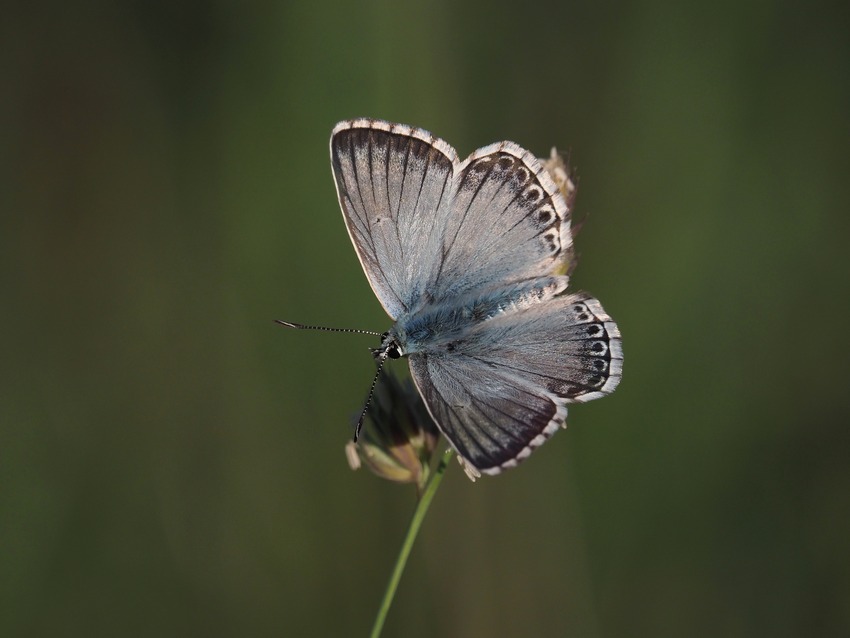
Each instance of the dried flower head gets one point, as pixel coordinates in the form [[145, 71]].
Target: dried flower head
[[558, 168], [399, 436]]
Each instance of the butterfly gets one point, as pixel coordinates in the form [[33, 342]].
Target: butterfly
[[468, 258]]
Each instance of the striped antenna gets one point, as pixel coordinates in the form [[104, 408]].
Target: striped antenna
[[380, 356], [301, 326], [381, 360]]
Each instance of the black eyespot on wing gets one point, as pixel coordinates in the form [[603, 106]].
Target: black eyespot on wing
[[533, 194], [594, 330], [551, 240], [599, 347], [521, 175], [481, 165], [545, 215]]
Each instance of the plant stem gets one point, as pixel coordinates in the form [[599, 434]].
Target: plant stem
[[412, 531]]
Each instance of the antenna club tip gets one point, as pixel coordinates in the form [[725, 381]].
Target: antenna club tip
[[288, 324]]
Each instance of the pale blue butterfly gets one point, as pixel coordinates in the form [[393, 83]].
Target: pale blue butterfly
[[467, 257]]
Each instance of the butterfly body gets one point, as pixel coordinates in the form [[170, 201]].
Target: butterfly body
[[445, 326], [467, 257]]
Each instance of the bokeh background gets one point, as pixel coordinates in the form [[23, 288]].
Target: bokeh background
[[171, 462]]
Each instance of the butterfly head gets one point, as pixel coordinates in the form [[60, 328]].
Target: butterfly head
[[390, 347]]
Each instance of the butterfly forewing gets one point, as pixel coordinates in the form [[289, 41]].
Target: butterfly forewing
[[508, 222], [394, 186], [427, 227]]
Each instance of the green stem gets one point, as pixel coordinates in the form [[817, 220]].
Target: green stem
[[412, 531]]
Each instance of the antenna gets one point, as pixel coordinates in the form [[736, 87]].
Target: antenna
[[380, 355], [381, 360], [301, 326]]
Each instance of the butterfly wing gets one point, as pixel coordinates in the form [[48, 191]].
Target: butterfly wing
[[428, 228], [508, 222], [502, 389], [394, 185]]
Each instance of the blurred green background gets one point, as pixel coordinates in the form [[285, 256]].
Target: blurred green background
[[171, 463]]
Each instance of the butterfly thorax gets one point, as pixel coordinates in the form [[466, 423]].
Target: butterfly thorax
[[441, 326]]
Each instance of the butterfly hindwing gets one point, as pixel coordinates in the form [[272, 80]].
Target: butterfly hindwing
[[503, 389], [490, 419]]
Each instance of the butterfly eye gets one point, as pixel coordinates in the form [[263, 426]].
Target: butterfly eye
[[393, 351]]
